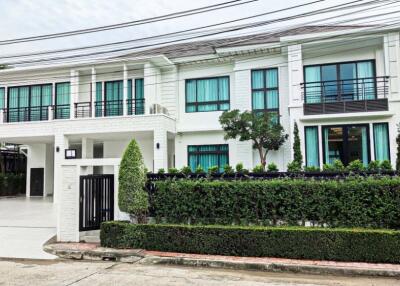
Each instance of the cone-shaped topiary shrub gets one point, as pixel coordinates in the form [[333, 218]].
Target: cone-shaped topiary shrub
[[132, 197]]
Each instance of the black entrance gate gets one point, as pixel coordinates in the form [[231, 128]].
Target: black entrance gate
[[96, 201]]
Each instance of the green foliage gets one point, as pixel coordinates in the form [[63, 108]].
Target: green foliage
[[337, 166], [294, 167], [161, 171], [258, 127], [173, 171], [386, 165], [199, 169], [132, 197], [186, 170], [240, 169], [311, 169], [258, 169], [272, 167], [352, 202], [360, 245], [12, 184], [297, 156], [356, 166], [398, 148], [211, 170], [374, 166], [228, 170]]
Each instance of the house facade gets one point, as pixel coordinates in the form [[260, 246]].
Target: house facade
[[339, 84]]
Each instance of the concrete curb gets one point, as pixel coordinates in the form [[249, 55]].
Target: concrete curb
[[139, 256]]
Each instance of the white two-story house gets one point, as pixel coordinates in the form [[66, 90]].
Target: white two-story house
[[340, 84]]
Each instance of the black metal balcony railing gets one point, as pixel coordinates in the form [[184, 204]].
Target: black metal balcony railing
[[343, 96], [61, 111], [22, 114], [135, 106], [83, 109], [109, 108]]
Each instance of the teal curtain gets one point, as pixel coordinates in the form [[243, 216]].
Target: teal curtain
[[99, 99], [23, 103], [366, 86], [271, 78], [207, 94], [36, 94], [13, 114], [364, 136], [326, 146], [113, 98], [257, 82], [272, 99], [63, 95], [139, 96], [312, 154], [2, 97], [130, 97], [312, 85], [381, 141], [47, 100], [265, 94], [207, 156]]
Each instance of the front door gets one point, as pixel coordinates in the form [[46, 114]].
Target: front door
[[37, 181]]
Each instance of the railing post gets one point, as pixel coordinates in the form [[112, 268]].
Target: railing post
[[49, 113], [1, 116]]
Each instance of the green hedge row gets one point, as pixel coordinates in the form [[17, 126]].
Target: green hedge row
[[12, 184], [379, 246], [354, 202]]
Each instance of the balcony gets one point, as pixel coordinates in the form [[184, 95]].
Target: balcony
[[345, 96], [81, 110]]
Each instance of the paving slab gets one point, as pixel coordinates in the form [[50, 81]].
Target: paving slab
[[25, 225]]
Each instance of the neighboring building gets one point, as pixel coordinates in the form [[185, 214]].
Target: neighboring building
[[340, 84]]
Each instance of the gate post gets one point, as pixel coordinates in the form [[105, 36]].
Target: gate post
[[68, 209]]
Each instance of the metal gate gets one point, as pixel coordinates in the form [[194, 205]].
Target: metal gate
[[96, 201]]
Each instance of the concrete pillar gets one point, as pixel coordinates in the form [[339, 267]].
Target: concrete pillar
[[392, 63], [160, 149], [74, 91], [151, 73], [295, 69], [60, 144], [87, 148], [68, 211], [125, 91], [93, 93]]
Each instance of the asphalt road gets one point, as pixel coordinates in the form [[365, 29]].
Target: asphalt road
[[55, 272]]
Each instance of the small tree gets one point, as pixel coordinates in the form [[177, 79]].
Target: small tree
[[297, 156], [398, 148], [132, 197], [265, 134]]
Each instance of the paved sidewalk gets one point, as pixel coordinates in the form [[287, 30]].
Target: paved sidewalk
[[90, 251]]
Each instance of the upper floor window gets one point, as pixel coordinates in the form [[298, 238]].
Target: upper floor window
[[340, 82], [211, 94], [2, 97], [265, 90]]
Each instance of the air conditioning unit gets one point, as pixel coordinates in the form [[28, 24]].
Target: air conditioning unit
[[158, 109]]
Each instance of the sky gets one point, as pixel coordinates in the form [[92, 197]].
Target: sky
[[23, 18]]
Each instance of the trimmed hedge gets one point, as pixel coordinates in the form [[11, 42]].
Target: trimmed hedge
[[12, 184], [379, 246], [353, 202]]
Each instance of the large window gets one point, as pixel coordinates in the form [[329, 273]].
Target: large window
[[62, 98], [139, 96], [265, 90], [346, 143], [2, 97], [29, 103], [207, 156], [113, 98], [340, 81], [210, 94], [311, 141], [381, 141]]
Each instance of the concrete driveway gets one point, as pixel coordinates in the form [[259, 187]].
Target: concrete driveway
[[25, 225]]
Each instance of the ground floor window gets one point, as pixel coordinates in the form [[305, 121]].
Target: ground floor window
[[311, 141], [381, 141], [208, 155], [346, 143]]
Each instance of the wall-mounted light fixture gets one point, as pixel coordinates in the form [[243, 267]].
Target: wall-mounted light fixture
[[57, 149], [158, 145]]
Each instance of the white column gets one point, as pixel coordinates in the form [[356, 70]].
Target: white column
[[160, 149], [150, 85], [93, 94], [125, 91], [392, 62], [74, 91], [371, 141], [87, 148], [320, 147], [60, 144], [295, 69]]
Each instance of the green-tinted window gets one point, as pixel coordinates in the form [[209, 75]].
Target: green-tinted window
[[63, 96], [99, 99], [207, 94], [139, 96], [311, 141], [207, 156], [113, 97], [2, 97], [265, 90], [381, 140]]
